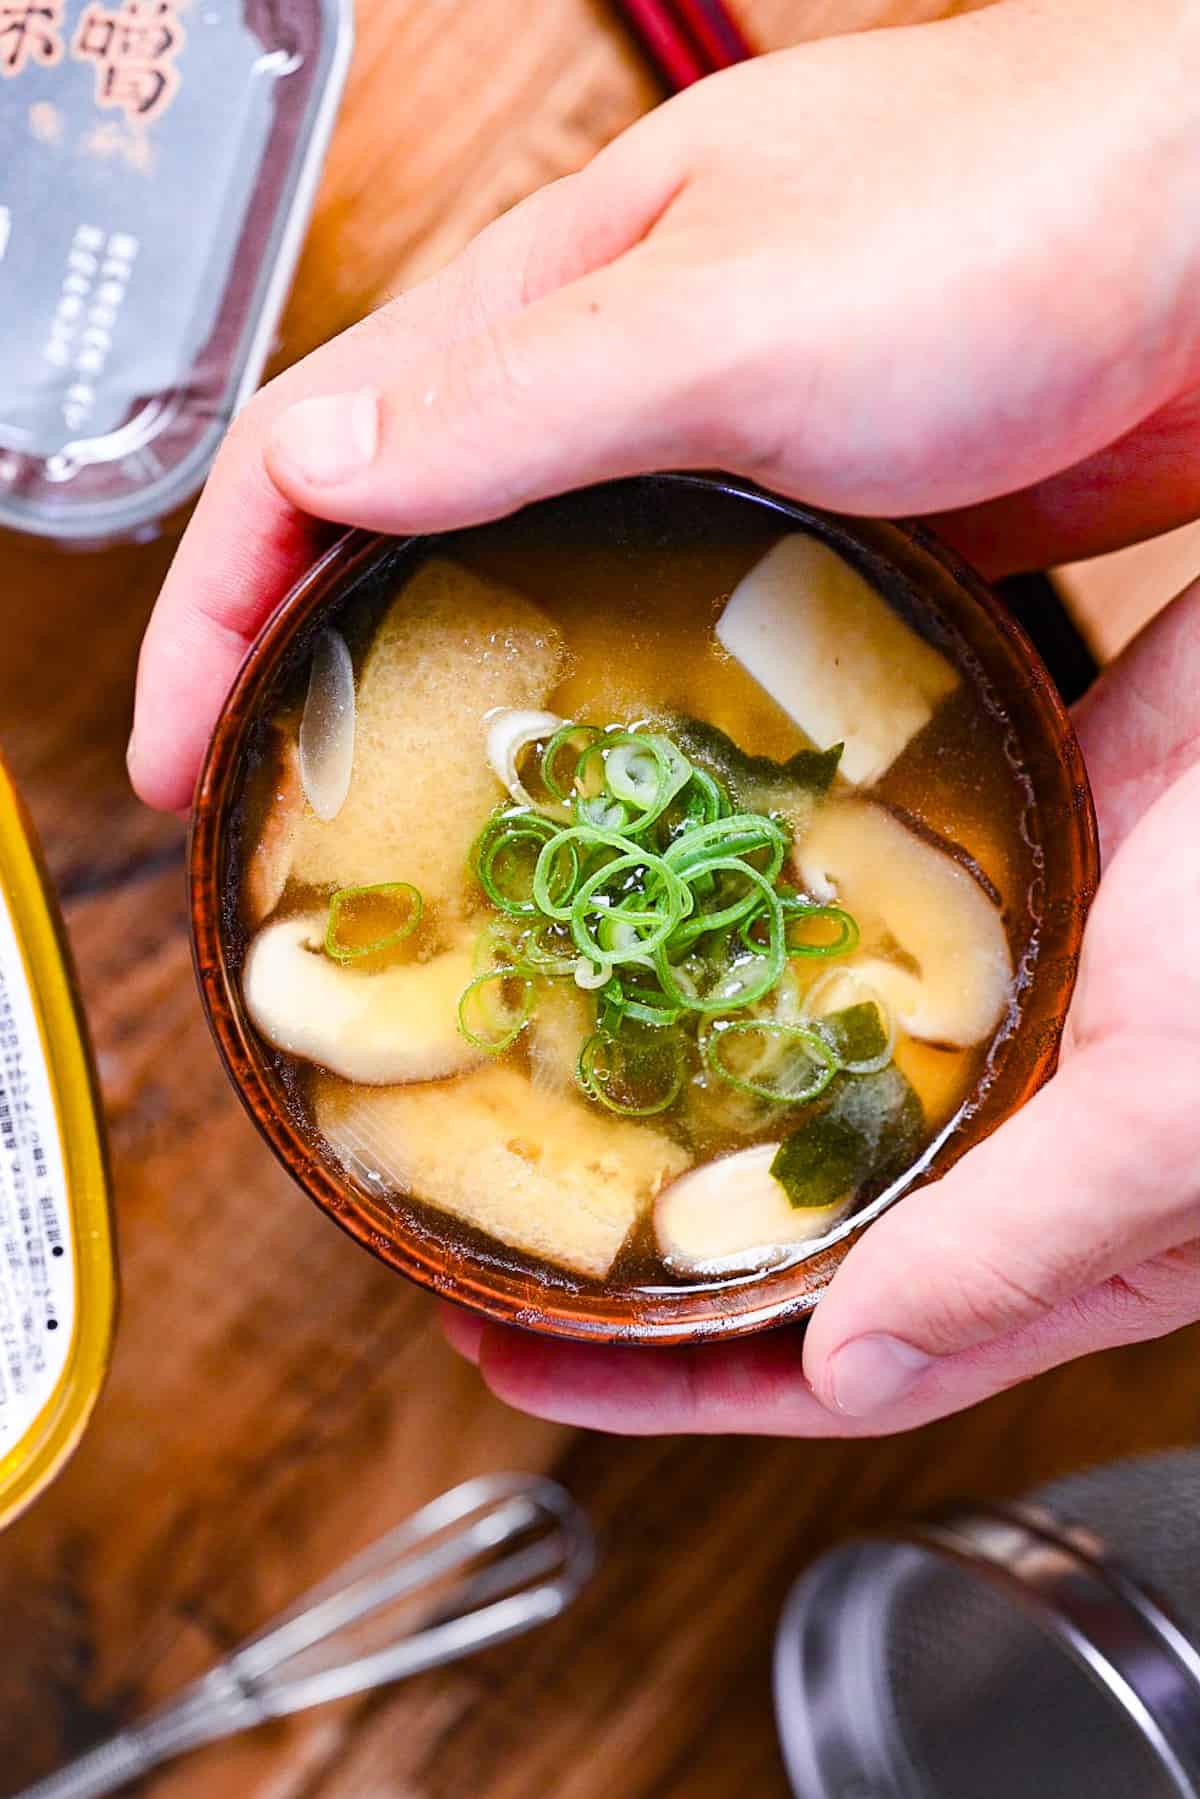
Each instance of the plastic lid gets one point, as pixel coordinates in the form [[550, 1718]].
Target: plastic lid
[[157, 162]]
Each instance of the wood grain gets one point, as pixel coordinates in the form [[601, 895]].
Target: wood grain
[[277, 1399], [1114, 596]]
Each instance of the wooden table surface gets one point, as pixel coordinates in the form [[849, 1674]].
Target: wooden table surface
[[277, 1399]]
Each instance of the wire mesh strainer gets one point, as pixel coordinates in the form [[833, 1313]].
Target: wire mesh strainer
[[1045, 1650]]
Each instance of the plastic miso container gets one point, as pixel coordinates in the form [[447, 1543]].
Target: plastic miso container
[[158, 160], [57, 1266]]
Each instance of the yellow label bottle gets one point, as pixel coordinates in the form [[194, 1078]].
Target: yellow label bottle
[[57, 1270]]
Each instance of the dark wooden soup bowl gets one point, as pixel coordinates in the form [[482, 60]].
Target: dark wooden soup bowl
[[511, 1288]]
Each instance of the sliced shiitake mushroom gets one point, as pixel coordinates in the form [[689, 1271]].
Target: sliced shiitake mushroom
[[732, 1214], [951, 978], [275, 795], [398, 1024]]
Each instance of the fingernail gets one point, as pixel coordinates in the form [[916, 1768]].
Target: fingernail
[[130, 751], [873, 1372], [329, 440]]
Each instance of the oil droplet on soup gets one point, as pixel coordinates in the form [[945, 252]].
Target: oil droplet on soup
[[670, 907]]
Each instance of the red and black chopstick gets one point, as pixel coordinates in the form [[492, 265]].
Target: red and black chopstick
[[714, 31], [685, 39]]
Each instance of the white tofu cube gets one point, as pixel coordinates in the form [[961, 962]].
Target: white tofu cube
[[833, 655]]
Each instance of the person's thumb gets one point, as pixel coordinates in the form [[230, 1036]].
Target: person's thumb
[[595, 381], [1095, 1176]]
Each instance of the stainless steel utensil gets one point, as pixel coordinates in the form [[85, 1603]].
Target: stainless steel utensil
[[484, 1562], [1048, 1648]]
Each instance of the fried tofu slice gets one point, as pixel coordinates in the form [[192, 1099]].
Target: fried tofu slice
[[563, 1018], [450, 648], [544, 1172]]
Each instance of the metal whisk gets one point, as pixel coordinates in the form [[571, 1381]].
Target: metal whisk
[[484, 1562]]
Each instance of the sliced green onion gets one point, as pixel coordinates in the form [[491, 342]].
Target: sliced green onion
[[508, 834], [610, 1007], [501, 944], [487, 992], [804, 914], [600, 810], [661, 896], [546, 949], [633, 772], [553, 887], [740, 834], [642, 772], [705, 800], [616, 933], [592, 975], [609, 1069], [635, 994], [550, 757], [346, 898], [748, 904], [662, 881], [660, 920], [755, 978], [822, 1062]]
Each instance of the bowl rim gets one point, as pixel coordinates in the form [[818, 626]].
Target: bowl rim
[[549, 1303]]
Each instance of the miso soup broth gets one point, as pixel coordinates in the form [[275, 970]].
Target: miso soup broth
[[633, 890]]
